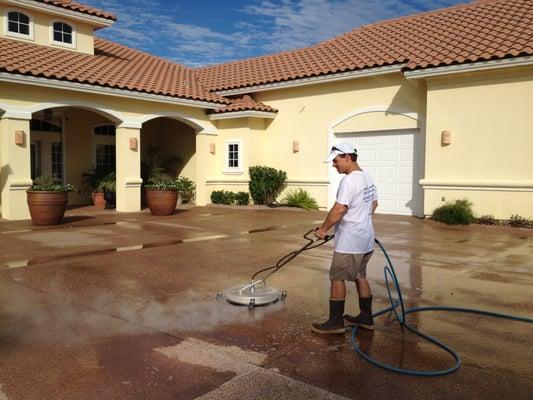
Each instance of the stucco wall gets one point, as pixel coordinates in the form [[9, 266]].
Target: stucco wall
[[488, 161], [306, 115], [41, 29]]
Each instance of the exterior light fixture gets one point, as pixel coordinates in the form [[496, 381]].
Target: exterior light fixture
[[20, 137], [133, 143], [295, 146], [212, 148], [446, 138]]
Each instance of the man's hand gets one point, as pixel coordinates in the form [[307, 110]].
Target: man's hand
[[320, 233]]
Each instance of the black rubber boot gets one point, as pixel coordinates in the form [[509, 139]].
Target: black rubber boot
[[335, 323], [364, 319]]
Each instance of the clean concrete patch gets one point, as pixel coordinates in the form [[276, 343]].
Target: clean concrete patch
[[267, 385], [2, 395], [220, 358]]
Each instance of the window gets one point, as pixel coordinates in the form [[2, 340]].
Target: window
[[233, 156], [43, 126], [18, 24], [57, 160], [104, 158], [62, 33]]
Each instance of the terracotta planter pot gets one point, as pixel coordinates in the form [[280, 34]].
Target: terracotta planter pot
[[161, 202], [99, 200], [47, 208]]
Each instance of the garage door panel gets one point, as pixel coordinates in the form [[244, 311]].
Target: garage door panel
[[389, 157]]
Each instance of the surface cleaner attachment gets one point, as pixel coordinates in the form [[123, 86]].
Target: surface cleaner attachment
[[256, 292]]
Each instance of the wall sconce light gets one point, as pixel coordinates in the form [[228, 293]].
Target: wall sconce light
[[20, 137], [212, 148], [295, 146], [446, 138], [133, 143]]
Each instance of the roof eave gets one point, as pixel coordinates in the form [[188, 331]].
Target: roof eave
[[469, 67], [93, 20], [97, 89], [243, 114], [313, 80]]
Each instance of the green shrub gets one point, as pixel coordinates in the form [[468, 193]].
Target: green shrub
[[222, 197], [517, 221], [458, 213], [266, 184], [242, 198], [300, 198], [487, 220], [186, 189]]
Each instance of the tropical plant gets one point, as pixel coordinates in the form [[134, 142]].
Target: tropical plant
[[92, 178], [222, 197], [163, 181], [300, 198], [186, 189], [266, 184], [154, 164], [487, 220], [457, 213], [50, 184], [517, 221]]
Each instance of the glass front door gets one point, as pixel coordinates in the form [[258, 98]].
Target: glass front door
[[46, 155]]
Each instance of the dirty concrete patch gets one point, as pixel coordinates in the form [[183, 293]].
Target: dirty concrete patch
[[220, 358], [268, 385]]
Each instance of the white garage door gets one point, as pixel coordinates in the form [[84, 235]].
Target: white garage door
[[391, 158]]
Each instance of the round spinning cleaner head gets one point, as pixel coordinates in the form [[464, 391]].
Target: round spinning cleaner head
[[253, 294], [257, 293]]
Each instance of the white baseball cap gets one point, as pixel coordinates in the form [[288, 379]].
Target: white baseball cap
[[340, 148]]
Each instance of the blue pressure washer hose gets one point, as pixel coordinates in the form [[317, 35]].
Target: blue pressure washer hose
[[400, 317]]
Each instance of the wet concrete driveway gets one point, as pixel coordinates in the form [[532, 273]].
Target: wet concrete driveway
[[122, 306]]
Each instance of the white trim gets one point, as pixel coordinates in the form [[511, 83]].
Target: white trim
[[360, 73], [371, 109], [93, 20], [518, 186], [53, 42], [233, 170], [222, 181], [16, 184], [94, 89], [308, 182], [133, 182], [110, 114], [201, 127], [8, 33], [16, 114], [242, 114], [470, 67]]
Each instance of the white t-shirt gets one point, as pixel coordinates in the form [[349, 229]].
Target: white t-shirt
[[354, 233]]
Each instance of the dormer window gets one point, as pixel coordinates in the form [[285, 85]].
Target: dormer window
[[62, 34], [18, 24]]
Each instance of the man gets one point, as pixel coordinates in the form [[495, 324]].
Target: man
[[354, 240]]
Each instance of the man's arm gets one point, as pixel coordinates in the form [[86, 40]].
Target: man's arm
[[335, 215], [374, 206]]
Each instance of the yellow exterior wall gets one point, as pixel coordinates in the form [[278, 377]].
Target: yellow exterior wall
[[305, 114], [41, 29], [488, 161]]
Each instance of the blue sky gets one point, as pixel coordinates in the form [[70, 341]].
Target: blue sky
[[203, 32]]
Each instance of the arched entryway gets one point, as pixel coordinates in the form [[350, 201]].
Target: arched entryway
[[168, 145]]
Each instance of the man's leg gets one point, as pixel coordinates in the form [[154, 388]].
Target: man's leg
[[364, 319], [335, 322]]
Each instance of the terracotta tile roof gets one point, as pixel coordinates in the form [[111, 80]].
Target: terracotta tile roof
[[113, 65], [483, 30], [244, 103], [72, 5]]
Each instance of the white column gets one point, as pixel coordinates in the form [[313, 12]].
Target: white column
[[205, 165], [128, 169], [15, 171]]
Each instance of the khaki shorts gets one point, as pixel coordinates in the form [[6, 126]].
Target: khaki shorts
[[348, 267]]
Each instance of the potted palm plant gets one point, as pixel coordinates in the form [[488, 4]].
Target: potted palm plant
[[47, 200], [91, 183], [107, 186], [162, 194], [154, 164]]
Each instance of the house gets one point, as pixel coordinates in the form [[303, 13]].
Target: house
[[439, 105]]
